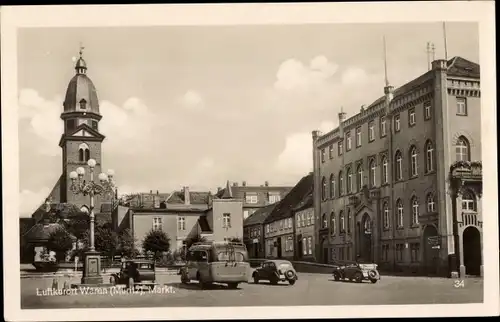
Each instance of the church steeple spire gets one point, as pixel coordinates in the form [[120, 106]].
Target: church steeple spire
[[81, 65]]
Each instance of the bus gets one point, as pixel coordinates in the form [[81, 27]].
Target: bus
[[216, 262]]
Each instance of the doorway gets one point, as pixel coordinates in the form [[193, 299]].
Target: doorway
[[472, 251], [278, 246], [365, 242], [431, 249], [300, 249]]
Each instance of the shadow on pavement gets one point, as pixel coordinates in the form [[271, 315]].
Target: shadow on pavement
[[196, 286]]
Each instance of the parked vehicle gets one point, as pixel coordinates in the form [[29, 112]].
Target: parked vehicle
[[275, 271], [134, 273], [356, 272], [216, 262]]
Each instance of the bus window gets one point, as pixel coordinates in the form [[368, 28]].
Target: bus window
[[230, 256]]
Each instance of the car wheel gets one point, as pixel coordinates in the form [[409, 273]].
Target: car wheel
[[373, 280], [358, 278], [112, 280], [256, 279], [232, 285], [184, 279], [273, 280], [291, 282], [336, 276]]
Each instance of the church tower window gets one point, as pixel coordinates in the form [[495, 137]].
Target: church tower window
[[83, 152], [94, 124], [70, 125]]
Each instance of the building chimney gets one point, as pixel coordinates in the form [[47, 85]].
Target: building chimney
[[235, 184], [187, 199], [157, 192], [219, 189], [362, 108], [266, 183], [342, 117], [244, 183], [150, 192]]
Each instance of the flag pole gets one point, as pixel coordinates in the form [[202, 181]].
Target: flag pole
[[445, 42]]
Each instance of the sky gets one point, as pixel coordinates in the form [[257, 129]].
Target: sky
[[199, 105]]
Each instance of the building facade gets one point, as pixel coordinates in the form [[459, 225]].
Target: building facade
[[253, 231], [381, 179], [182, 215], [279, 226], [256, 197], [304, 229]]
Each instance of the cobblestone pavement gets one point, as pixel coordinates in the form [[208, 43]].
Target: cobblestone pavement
[[310, 289]]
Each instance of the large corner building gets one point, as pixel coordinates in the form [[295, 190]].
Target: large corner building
[[400, 183]]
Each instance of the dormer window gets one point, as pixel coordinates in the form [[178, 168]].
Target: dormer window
[[83, 104]]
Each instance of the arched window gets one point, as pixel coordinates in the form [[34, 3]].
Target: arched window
[[349, 218], [368, 226], [413, 161], [385, 170], [431, 203], [399, 206], [332, 186], [83, 152], [349, 180], [342, 222], [414, 210], [373, 173], [469, 201], [360, 176], [429, 157], [385, 209], [462, 149], [333, 224], [324, 221], [341, 183], [323, 189], [399, 165]]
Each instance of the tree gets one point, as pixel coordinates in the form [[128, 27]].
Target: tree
[[126, 244], [106, 240], [60, 242], [156, 242], [195, 239]]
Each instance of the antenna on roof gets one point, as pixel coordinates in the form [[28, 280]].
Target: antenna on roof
[[385, 63]]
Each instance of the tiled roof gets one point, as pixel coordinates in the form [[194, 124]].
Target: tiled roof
[[259, 216], [286, 206], [195, 198], [306, 202], [458, 66]]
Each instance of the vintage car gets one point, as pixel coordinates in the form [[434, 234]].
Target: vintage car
[[357, 272], [134, 273], [275, 271]]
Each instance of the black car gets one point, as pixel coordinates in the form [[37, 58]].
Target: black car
[[275, 271], [135, 273]]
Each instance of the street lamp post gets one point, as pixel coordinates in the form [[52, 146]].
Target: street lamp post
[[92, 263]]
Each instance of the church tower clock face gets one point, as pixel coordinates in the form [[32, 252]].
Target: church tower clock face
[[81, 139]]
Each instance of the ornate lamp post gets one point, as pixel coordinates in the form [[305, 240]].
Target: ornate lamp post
[[92, 263]]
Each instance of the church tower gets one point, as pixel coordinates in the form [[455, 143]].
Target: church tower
[[81, 139]]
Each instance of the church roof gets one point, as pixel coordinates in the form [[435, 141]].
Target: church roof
[[81, 89], [259, 216]]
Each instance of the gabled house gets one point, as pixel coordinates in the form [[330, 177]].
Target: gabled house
[[253, 231], [279, 225]]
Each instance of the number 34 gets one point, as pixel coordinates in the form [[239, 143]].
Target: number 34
[[459, 283]]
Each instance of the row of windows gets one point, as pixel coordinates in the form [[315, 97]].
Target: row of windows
[[462, 153], [412, 121], [181, 222], [253, 232], [371, 131], [252, 198], [279, 225], [468, 199], [399, 252], [307, 246], [304, 220]]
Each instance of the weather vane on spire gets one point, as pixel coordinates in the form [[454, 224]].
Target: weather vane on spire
[[81, 49]]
